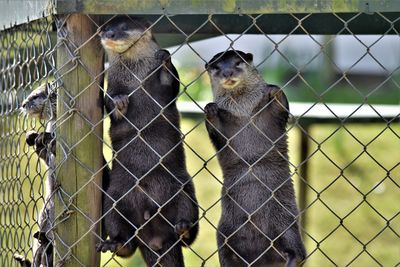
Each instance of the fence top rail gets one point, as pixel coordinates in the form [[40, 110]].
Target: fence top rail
[[15, 12], [281, 16], [322, 112], [225, 7]]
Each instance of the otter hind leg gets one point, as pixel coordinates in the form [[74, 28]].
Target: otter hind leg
[[116, 246], [182, 228]]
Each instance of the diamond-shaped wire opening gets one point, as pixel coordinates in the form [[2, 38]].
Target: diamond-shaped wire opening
[[348, 166]]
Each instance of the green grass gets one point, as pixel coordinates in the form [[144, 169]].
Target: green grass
[[21, 188], [352, 221], [328, 241], [356, 160]]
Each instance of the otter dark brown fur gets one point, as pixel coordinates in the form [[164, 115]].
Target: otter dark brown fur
[[41, 104], [150, 203], [247, 125]]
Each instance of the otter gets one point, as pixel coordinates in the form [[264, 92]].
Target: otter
[[42, 252], [41, 104], [150, 203], [247, 125]]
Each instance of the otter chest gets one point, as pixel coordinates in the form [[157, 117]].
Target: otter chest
[[131, 74]]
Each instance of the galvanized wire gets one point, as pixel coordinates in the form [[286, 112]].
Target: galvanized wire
[[28, 60]]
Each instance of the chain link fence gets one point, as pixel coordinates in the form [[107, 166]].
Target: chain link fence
[[343, 158]]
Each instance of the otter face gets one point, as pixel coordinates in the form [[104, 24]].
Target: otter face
[[36, 102], [228, 70], [119, 34]]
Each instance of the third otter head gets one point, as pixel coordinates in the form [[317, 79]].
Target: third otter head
[[41, 103], [230, 70], [128, 37]]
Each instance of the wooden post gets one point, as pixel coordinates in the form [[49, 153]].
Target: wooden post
[[79, 108]]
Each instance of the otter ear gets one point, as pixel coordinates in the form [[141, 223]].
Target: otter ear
[[142, 21], [249, 58], [147, 24]]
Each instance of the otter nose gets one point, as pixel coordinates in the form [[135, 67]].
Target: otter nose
[[110, 34], [227, 73]]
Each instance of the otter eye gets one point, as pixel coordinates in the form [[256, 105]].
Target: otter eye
[[238, 63]]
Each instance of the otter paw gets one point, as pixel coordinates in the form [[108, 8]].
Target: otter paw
[[162, 55], [109, 245], [211, 110], [30, 137], [121, 103], [22, 260], [41, 237], [182, 228], [277, 94], [43, 138]]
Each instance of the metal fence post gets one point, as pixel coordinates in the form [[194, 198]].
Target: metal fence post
[[79, 141]]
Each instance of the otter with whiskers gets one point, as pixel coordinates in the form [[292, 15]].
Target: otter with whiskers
[[247, 125], [151, 202], [41, 104]]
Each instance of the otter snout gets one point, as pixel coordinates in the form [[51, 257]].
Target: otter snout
[[109, 34], [227, 73]]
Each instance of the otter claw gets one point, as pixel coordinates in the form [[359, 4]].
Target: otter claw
[[108, 245], [277, 94], [211, 110], [182, 228], [162, 55], [121, 103]]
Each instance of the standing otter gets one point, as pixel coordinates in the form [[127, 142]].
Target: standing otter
[[151, 201], [247, 125], [41, 104]]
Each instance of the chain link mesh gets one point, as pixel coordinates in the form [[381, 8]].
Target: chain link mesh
[[346, 173]]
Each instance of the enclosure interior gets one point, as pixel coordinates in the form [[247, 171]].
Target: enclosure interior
[[342, 81]]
